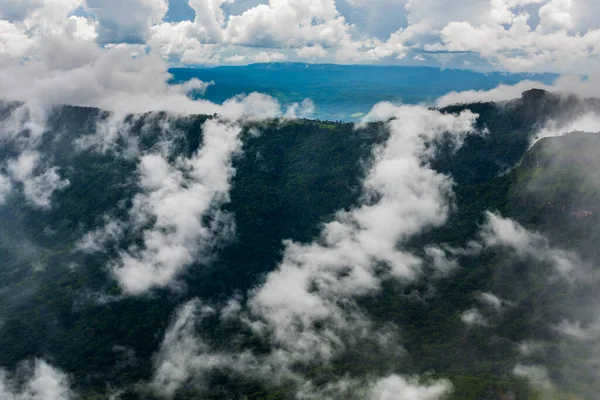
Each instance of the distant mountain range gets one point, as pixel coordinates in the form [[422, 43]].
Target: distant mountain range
[[345, 92]]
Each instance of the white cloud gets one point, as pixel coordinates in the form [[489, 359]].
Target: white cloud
[[502, 232], [235, 59], [96, 241], [587, 122], [29, 10], [37, 188], [528, 35], [507, 40], [402, 195], [184, 42], [289, 23], [126, 21], [498, 94], [556, 15], [41, 381], [302, 110], [307, 304], [34, 22], [180, 352], [18, 9], [24, 166], [178, 210], [114, 81], [210, 16], [565, 85], [312, 52], [185, 358], [179, 197], [267, 57], [313, 29], [438, 257]]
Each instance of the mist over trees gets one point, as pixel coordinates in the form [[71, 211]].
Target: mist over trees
[[488, 283]]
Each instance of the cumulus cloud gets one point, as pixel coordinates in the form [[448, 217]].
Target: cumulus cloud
[[126, 22], [35, 381], [289, 23], [503, 36], [526, 35]]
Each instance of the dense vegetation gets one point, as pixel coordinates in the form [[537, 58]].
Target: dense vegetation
[[290, 179]]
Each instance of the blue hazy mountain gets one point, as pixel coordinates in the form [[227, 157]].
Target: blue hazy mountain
[[344, 92]]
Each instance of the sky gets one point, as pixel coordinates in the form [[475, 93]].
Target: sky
[[560, 36]]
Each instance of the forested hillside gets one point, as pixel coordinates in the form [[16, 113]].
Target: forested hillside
[[60, 301]]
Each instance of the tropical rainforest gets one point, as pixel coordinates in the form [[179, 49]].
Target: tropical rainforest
[[499, 277]]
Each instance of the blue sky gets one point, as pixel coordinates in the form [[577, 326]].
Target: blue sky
[[179, 10]]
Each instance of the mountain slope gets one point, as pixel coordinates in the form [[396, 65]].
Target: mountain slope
[[62, 304]]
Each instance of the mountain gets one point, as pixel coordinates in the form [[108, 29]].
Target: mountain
[[60, 300], [345, 92]]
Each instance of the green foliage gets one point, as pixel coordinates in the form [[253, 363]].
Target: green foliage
[[289, 180]]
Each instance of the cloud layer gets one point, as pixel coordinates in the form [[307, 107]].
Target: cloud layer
[[523, 35]]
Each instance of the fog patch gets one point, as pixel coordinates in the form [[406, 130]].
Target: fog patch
[[36, 380]]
